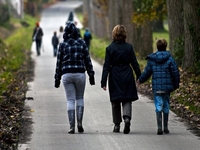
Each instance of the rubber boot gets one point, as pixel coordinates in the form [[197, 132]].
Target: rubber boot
[[166, 116], [127, 111], [127, 124], [71, 116], [116, 127], [159, 123], [79, 114]]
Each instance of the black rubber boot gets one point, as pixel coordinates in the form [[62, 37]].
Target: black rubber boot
[[79, 114], [116, 127], [127, 112], [127, 125], [159, 123], [166, 116], [71, 116]]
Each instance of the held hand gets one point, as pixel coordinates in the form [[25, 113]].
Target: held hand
[[57, 83], [138, 82], [91, 79], [104, 88]]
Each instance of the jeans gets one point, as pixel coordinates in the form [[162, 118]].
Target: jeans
[[74, 84], [161, 101]]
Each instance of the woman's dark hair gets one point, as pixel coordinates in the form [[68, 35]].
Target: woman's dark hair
[[119, 33]]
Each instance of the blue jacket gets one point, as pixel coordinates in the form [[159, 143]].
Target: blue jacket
[[164, 71]]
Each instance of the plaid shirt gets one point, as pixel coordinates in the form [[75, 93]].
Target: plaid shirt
[[73, 57]]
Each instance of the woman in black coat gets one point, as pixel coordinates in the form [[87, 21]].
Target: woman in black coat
[[120, 61]]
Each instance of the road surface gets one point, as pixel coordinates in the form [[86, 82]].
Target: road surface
[[48, 108]]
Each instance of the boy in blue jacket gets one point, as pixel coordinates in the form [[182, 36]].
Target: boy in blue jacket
[[165, 79]]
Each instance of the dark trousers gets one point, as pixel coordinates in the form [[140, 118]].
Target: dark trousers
[[116, 111], [55, 48], [38, 45]]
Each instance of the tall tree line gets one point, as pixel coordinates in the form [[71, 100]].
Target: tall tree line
[[103, 15], [183, 20], [33, 7]]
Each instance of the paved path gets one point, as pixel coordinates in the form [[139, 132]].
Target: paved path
[[48, 109]]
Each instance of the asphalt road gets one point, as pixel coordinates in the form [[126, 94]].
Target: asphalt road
[[48, 108]]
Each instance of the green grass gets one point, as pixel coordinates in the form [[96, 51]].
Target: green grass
[[15, 48], [80, 16], [98, 47]]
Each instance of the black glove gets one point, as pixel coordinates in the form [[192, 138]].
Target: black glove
[[57, 83], [91, 79]]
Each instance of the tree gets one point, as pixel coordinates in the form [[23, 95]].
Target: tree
[[145, 12], [4, 13], [192, 34], [33, 7], [184, 31], [176, 24], [135, 15]]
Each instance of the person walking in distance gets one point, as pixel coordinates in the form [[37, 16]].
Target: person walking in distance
[[60, 35], [120, 61], [165, 79], [73, 60], [55, 43], [37, 37], [76, 23], [87, 37], [70, 17]]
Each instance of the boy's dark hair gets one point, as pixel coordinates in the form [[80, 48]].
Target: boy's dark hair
[[161, 44]]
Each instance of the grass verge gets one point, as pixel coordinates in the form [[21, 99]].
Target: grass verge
[[14, 61]]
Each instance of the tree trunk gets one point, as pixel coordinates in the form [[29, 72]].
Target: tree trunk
[[119, 12], [127, 19], [192, 32], [175, 22], [158, 25], [143, 40], [86, 10]]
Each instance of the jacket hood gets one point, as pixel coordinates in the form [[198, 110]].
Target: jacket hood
[[159, 56], [70, 31]]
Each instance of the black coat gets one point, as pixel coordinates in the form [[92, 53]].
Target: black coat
[[55, 40], [37, 33], [120, 61]]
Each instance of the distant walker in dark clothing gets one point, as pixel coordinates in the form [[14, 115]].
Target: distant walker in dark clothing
[[120, 62], [70, 17], [37, 37], [55, 42], [87, 38], [76, 24]]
